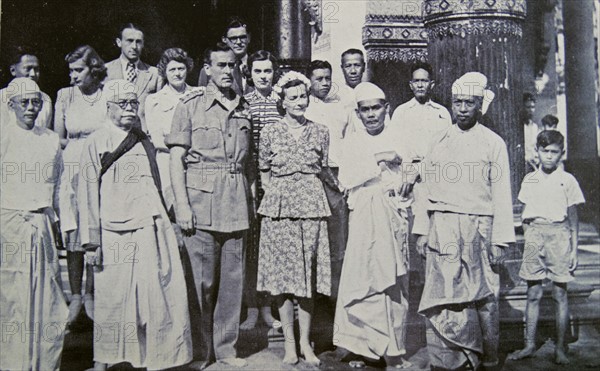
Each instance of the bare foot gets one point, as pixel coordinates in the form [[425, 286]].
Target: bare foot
[[267, 317], [560, 358], [74, 308], [403, 364], [309, 355], [251, 319], [526, 352], [290, 357]]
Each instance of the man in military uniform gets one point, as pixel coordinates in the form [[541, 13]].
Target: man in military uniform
[[210, 136]]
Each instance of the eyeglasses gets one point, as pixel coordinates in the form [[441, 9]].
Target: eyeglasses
[[124, 103], [420, 81], [238, 38], [24, 103]]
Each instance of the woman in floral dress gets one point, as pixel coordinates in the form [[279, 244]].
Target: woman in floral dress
[[294, 259]]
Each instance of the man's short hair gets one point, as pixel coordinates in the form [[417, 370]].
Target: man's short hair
[[235, 22], [548, 137], [550, 120], [128, 25], [528, 97], [218, 47], [353, 51], [422, 66], [317, 65], [16, 54]]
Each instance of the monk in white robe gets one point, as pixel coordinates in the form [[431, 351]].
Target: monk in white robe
[[467, 175], [141, 311], [33, 309], [372, 304]]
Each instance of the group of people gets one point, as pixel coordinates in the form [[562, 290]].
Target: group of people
[[260, 187]]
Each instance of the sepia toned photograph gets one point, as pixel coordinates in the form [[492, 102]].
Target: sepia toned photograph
[[299, 185]]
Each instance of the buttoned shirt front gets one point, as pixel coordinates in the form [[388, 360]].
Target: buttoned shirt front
[[418, 123], [216, 132]]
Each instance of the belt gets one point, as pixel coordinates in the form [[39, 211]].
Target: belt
[[78, 135], [543, 221], [296, 176], [231, 167]]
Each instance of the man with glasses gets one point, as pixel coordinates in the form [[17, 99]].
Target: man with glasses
[[24, 63], [33, 308], [237, 38], [130, 67], [140, 310], [417, 121], [211, 139]]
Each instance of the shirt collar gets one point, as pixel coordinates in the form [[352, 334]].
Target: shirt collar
[[459, 130], [254, 95], [414, 102], [217, 97], [125, 61]]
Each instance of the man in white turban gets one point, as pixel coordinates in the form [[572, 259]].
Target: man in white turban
[[33, 311], [469, 221], [140, 308], [372, 305]]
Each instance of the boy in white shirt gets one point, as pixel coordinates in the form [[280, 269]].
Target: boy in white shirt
[[550, 221]]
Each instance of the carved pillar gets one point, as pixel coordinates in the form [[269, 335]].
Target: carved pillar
[[292, 31], [395, 38], [484, 36]]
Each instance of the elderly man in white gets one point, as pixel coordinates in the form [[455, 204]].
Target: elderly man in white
[[467, 175], [372, 304], [33, 311]]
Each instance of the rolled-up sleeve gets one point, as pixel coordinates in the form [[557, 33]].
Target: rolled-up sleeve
[[181, 128]]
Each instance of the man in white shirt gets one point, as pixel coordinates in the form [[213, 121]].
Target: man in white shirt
[[353, 67], [417, 121], [325, 108], [467, 175], [24, 63], [130, 67], [237, 37]]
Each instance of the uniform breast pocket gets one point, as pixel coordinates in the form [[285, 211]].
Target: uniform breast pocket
[[244, 136], [206, 137]]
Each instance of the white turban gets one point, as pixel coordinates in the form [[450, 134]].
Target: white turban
[[113, 89], [474, 84], [368, 91], [19, 86]]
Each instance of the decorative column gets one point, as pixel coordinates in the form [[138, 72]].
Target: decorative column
[[582, 111], [395, 38], [292, 34], [484, 36]]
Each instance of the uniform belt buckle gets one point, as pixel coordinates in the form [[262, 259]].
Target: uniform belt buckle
[[296, 176]]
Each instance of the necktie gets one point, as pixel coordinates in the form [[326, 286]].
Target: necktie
[[131, 75], [238, 79]]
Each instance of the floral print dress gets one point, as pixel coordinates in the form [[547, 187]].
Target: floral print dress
[[294, 247]]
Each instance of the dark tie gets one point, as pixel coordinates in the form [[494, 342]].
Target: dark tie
[[238, 80], [131, 75]]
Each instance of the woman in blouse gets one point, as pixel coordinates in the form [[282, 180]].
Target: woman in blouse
[[263, 110], [173, 67], [294, 260], [79, 111]]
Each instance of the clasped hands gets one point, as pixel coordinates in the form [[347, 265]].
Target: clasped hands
[[388, 160]]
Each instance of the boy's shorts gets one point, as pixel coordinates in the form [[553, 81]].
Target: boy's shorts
[[546, 252]]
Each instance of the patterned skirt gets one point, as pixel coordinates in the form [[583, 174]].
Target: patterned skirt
[[294, 257]]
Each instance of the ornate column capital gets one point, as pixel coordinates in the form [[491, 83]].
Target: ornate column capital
[[467, 17], [394, 31]]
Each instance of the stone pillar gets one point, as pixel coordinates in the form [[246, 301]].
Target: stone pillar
[[582, 112], [395, 38], [484, 36], [292, 34]]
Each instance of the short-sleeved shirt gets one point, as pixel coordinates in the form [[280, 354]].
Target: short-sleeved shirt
[[548, 196], [215, 130]]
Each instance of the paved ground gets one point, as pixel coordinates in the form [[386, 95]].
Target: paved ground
[[584, 349]]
